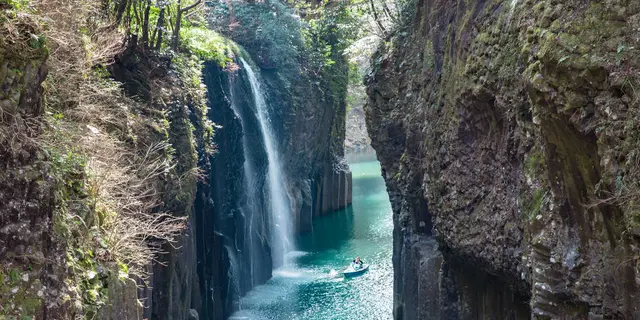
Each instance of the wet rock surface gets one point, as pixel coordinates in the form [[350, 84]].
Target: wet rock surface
[[236, 250], [498, 126]]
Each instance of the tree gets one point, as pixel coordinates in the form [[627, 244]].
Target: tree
[[145, 24], [122, 6], [159, 29], [374, 12], [180, 12]]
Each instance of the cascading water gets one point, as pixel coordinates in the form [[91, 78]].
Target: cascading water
[[279, 205], [311, 287]]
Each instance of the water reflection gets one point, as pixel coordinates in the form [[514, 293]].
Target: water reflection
[[329, 232], [307, 289]]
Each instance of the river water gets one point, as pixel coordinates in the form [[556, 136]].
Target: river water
[[308, 288]]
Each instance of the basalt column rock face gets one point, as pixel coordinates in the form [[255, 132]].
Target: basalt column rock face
[[311, 122], [172, 290], [235, 248], [503, 129], [233, 210]]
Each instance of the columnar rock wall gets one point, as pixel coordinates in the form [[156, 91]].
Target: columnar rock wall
[[309, 122], [503, 129]]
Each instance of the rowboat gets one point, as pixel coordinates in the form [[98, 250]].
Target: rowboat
[[350, 272]]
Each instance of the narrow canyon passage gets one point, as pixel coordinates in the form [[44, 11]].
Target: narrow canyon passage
[[214, 159], [309, 287]]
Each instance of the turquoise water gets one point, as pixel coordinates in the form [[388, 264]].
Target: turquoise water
[[308, 288]]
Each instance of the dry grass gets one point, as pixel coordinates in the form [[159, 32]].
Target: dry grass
[[21, 43], [21, 33], [78, 42], [124, 186], [95, 116], [18, 131]]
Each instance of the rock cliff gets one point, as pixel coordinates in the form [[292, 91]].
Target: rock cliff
[[172, 290], [506, 132], [26, 229], [67, 169], [310, 129], [116, 201]]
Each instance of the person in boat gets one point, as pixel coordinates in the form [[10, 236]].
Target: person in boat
[[357, 264]]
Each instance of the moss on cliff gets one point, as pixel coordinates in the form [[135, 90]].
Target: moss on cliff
[[510, 107], [23, 192], [101, 180]]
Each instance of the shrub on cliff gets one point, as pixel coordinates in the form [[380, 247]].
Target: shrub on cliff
[[119, 188], [208, 45]]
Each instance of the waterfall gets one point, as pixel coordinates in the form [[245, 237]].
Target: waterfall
[[279, 205]]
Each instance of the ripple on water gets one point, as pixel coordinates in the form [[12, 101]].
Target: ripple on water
[[308, 289]]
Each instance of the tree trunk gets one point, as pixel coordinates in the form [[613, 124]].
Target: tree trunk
[[122, 6], [128, 16], [159, 27], [376, 18], [145, 25], [387, 11], [176, 31], [136, 15], [153, 36]]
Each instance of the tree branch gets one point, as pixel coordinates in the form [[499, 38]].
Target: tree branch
[[191, 6]]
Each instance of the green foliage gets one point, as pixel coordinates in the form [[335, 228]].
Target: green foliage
[[67, 171], [37, 42], [20, 295], [77, 223], [16, 4], [123, 271], [23, 302], [279, 38], [208, 45], [533, 163], [355, 74], [268, 30], [132, 20], [356, 94], [190, 72], [91, 277], [334, 30]]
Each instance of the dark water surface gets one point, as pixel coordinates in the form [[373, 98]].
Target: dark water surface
[[308, 287]]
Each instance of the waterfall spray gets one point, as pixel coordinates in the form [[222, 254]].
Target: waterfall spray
[[279, 205]]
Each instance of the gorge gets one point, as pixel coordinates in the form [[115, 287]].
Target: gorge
[[190, 159]]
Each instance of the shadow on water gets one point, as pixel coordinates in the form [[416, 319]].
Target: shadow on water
[[329, 232], [311, 287]]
